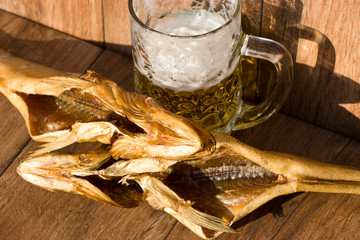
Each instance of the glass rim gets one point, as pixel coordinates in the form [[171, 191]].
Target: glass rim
[[135, 17]]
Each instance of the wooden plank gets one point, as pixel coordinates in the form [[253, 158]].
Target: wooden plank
[[80, 18], [117, 26], [6, 18], [39, 44], [251, 12], [324, 41], [119, 69], [251, 21]]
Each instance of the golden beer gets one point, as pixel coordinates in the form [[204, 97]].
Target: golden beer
[[211, 108], [187, 55], [195, 76]]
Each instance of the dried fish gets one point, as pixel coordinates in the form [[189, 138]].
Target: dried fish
[[206, 181]]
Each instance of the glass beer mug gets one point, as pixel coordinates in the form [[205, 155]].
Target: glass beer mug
[[187, 56]]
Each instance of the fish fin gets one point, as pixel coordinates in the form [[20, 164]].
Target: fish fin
[[206, 220], [161, 197], [81, 132], [61, 142]]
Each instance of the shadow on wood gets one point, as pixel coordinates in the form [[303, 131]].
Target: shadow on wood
[[319, 94]]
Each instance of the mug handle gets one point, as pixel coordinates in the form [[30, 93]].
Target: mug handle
[[278, 55]]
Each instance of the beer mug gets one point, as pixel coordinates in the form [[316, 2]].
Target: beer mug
[[187, 56]]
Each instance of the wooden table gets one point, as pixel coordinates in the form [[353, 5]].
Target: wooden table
[[28, 212]]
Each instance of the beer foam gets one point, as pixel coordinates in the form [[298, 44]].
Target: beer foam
[[185, 62], [189, 23]]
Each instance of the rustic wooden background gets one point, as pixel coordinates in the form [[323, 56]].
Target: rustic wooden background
[[320, 120], [323, 37]]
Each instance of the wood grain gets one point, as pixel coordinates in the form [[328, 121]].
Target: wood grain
[[251, 19], [117, 26], [324, 41], [80, 18], [116, 67], [6, 18]]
